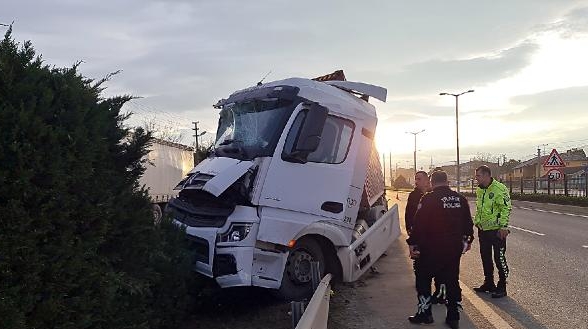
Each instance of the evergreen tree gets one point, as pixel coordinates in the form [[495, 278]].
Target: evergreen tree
[[78, 248]]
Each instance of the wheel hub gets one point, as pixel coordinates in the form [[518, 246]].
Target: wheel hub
[[300, 267]]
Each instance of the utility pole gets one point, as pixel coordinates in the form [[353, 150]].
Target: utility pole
[[384, 167], [415, 148], [390, 166], [196, 147], [538, 171]]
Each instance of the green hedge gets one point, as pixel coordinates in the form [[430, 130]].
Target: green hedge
[[557, 199], [78, 248], [544, 198]]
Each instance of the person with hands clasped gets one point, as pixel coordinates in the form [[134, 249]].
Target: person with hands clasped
[[442, 232], [492, 216]]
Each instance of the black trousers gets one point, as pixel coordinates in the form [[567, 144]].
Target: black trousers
[[445, 270], [491, 243], [415, 266]]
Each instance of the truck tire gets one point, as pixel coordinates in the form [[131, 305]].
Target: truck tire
[[296, 282], [157, 213], [374, 214]]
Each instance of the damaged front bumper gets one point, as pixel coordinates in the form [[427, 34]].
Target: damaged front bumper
[[232, 255]]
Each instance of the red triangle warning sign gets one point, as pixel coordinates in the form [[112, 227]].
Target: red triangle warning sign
[[554, 160]]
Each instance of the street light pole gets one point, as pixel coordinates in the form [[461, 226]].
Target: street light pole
[[415, 149], [457, 130]]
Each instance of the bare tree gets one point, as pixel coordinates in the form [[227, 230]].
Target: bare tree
[[163, 132]]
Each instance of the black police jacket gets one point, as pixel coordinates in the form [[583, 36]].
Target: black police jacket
[[411, 206], [441, 223]]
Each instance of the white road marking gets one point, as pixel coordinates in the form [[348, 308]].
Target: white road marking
[[553, 212], [584, 246], [486, 311], [525, 230]]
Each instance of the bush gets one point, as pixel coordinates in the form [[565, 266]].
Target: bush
[[551, 198], [77, 240]]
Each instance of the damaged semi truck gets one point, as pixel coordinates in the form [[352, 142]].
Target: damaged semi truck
[[294, 177]]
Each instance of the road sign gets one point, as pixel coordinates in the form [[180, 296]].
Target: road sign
[[554, 160], [554, 174]]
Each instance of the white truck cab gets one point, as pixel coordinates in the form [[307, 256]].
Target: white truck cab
[[294, 178]]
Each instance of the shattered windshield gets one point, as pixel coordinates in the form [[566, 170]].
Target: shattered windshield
[[251, 129]]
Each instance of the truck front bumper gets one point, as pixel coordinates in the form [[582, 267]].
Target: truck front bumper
[[237, 263]]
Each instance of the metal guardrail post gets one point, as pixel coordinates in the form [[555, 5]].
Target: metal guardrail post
[[315, 275], [296, 309], [316, 314]]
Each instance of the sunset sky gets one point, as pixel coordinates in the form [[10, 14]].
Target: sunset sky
[[527, 61]]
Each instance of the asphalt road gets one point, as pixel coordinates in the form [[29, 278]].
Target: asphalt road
[[547, 253]]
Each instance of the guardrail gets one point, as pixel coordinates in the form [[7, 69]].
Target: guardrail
[[316, 314]]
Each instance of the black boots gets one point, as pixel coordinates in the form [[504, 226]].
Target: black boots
[[488, 286], [500, 290], [452, 319], [424, 315]]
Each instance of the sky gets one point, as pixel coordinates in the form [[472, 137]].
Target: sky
[[525, 59]]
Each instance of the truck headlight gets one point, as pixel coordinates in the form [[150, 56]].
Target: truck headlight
[[235, 233]]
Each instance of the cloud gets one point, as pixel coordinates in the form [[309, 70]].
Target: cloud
[[449, 75], [574, 23], [560, 105]]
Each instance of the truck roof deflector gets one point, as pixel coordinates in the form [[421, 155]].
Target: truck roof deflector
[[361, 88]]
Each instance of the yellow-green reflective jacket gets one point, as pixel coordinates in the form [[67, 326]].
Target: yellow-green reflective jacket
[[492, 206]]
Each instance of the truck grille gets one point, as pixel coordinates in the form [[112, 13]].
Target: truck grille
[[194, 216]]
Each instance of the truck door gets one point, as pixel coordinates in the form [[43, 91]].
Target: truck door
[[318, 182]]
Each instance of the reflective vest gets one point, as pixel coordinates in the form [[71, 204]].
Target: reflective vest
[[492, 206]]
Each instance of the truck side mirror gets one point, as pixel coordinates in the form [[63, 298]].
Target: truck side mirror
[[310, 133], [309, 136]]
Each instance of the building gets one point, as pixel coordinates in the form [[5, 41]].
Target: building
[[575, 161]]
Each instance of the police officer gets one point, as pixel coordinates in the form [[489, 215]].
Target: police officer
[[442, 231], [492, 215], [422, 185]]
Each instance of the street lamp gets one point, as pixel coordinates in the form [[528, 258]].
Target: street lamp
[[415, 150], [457, 128]]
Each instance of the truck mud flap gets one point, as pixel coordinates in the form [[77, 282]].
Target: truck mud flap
[[366, 250]]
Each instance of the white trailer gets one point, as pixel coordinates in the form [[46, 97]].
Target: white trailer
[[294, 178], [168, 163]]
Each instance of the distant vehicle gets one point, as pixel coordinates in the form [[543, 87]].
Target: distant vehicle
[[168, 163], [294, 178]]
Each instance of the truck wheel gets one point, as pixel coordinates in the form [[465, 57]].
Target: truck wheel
[[297, 279], [157, 213], [374, 214]]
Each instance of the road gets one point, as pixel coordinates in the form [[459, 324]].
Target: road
[[547, 254]]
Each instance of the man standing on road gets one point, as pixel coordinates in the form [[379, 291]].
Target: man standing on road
[[422, 184], [492, 216], [442, 231]]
